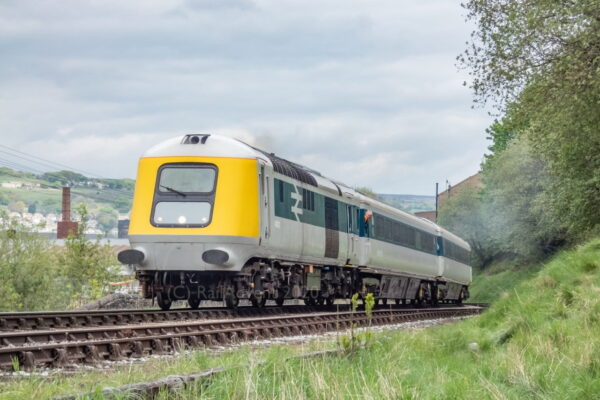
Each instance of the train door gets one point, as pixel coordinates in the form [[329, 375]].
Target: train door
[[441, 264], [365, 228], [332, 234], [265, 204], [352, 230]]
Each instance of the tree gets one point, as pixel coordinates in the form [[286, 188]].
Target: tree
[[4, 199], [509, 217], [17, 206], [88, 265], [106, 221], [539, 61], [517, 42], [515, 196], [28, 269], [64, 177], [467, 215]]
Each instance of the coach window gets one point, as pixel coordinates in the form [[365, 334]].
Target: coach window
[[280, 190], [349, 210], [369, 223], [308, 200]]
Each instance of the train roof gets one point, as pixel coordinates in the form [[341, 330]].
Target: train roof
[[209, 145]]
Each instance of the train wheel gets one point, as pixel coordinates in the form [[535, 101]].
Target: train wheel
[[194, 302], [329, 301], [384, 302], [279, 300], [231, 300], [421, 298], [309, 300], [258, 301], [320, 301], [163, 300], [398, 302], [435, 295]]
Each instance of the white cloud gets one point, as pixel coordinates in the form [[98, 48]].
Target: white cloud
[[365, 92]]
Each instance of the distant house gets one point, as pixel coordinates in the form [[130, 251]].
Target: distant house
[[430, 215], [12, 185], [474, 181], [17, 185]]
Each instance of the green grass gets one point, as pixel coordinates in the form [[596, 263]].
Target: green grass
[[541, 341], [499, 281]]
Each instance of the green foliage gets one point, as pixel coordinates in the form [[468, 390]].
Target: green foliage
[[17, 206], [539, 61], [88, 264], [64, 177], [510, 217], [106, 221], [499, 280], [4, 199], [27, 266], [369, 304], [357, 340], [38, 276], [516, 192], [517, 42], [467, 214]]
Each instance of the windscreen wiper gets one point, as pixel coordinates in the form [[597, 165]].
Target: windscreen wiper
[[170, 189]]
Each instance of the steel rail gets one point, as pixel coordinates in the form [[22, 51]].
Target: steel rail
[[70, 319], [68, 346]]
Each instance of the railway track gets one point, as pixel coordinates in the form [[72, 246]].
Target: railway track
[[90, 344], [73, 319]]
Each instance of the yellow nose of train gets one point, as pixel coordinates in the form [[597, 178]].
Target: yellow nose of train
[[196, 199]]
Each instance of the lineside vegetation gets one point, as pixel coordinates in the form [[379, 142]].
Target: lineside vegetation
[[538, 64], [37, 275]]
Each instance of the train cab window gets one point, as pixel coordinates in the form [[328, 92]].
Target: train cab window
[[187, 179], [184, 195]]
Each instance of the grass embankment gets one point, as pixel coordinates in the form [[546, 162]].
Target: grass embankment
[[540, 341], [499, 281]]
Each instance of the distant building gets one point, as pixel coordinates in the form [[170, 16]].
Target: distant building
[[430, 215], [470, 182], [16, 185], [474, 181]]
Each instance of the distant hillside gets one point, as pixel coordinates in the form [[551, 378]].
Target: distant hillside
[[409, 202], [24, 192]]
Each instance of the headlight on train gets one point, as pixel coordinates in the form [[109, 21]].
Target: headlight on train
[[169, 213]]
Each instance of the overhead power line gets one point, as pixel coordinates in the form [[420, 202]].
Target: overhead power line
[[48, 163]]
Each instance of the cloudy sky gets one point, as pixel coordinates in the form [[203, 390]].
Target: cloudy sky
[[366, 92]]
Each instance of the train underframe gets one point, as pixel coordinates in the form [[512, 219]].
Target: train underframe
[[262, 280]]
